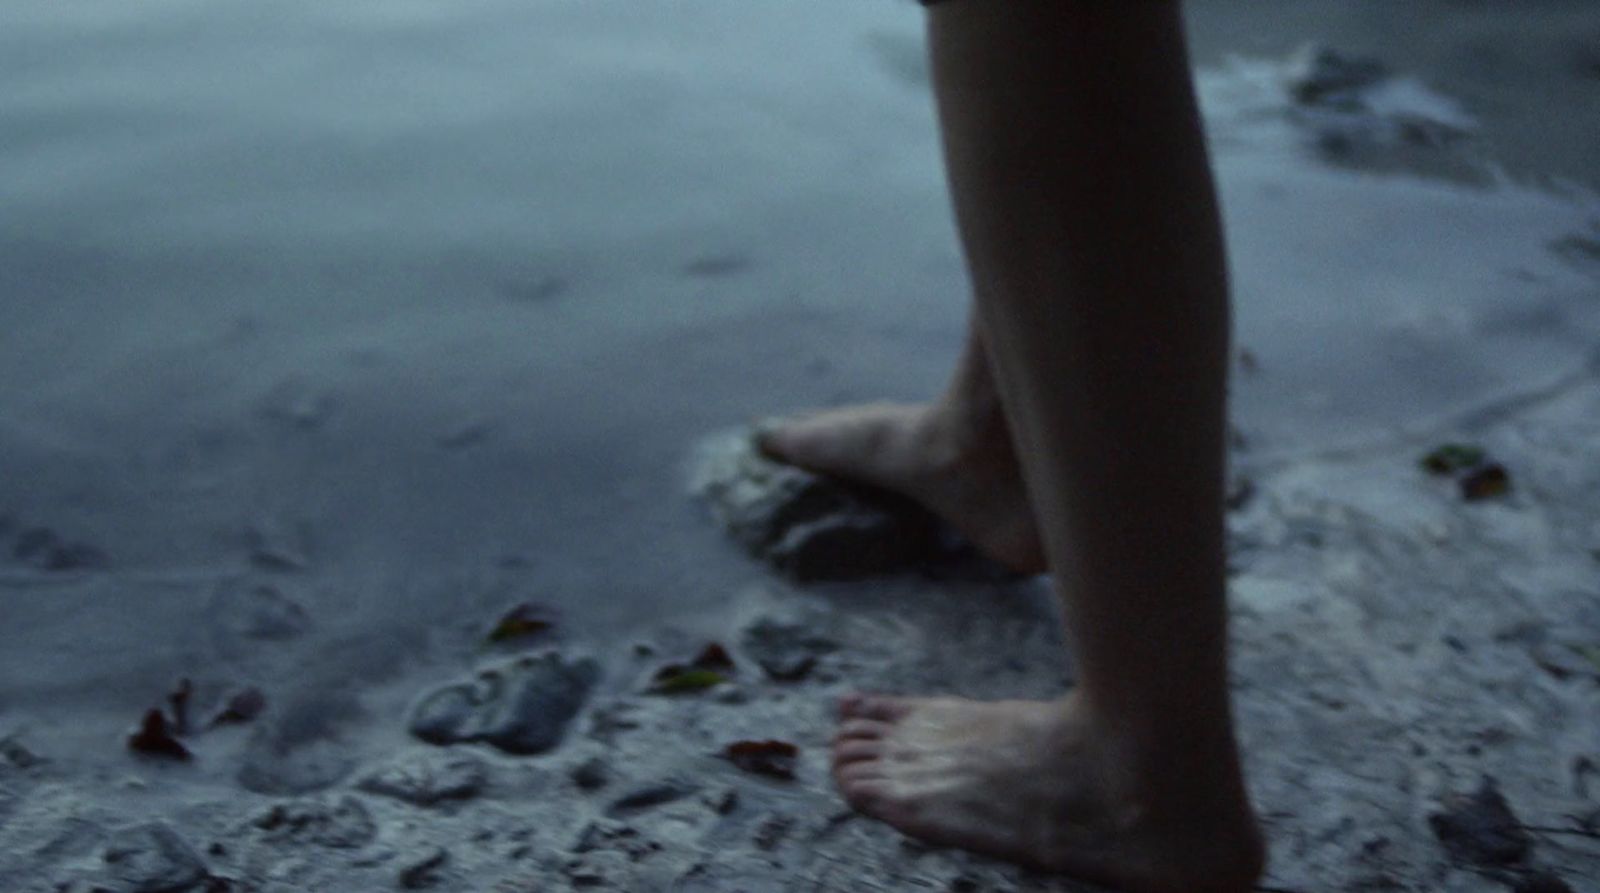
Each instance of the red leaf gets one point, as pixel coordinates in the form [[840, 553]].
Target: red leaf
[[525, 619], [155, 739], [713, 657]]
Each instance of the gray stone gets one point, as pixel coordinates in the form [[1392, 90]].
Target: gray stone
[[522, 706], [1323, 76], [256, 609], [16, 755], [649, 796], [345, 824], [275, 765], [786, 651], [43, 549], [424, 872], [591, 775], [1542, 882], [818, 528], [1480, 828], [607, 835], [152, 858], [428, 780]]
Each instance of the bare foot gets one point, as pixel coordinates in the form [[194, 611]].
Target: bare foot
[[1032, 782], [963, 471]]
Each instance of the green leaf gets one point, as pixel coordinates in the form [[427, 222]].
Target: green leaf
[[1452, 457], [521, 621], [673, 680]]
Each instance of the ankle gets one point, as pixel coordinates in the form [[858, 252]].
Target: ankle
[[1177, 769], [969, 430]]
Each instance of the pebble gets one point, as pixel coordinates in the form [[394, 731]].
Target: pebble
[[1541, 882], [270, 766], [811, 527], [521, 707], [428, 780], [424, 872], [787, 652], [152, 858], [255, 609], [650, 796], [344, 824], [591, 775], [1326, 77], [1480, 828], [43, 549]]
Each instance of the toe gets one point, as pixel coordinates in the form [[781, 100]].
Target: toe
[[867, 795], [854, 750], [772, 438], [875, 707], [859, 772], [866, 729]]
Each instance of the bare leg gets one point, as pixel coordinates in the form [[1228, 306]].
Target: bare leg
[[1086, 208], [953, 455]]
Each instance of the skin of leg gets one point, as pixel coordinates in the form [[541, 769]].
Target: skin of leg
[[1088, 215], [953, 455]]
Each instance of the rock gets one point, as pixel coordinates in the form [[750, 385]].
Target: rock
[[816, 528], [424, 872], [345, 824], [612, 719], [42, 549], [522, 706], [14, 754], [591, 775], [1541, 882], [1318, 75], [253, 609], [278, 545], [650, 796], [614, 836], [152, 858], [277, 764], [1357, 111], [772, 831], [598, 869], [786, 651], [1480, 828], [1567, 659], [429, 780], [723, 802]]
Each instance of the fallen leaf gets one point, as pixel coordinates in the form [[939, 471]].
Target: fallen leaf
[[675, 679], [241, 707], [773, 758], [713, 657], [523, 620], [1452, 457], [155, 739], [1486, 481], [710, 667]]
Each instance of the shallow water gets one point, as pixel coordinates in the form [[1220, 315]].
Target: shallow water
[[438, 299]]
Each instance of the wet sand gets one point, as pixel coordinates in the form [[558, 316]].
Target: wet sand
[[328, 336]]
